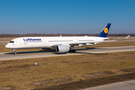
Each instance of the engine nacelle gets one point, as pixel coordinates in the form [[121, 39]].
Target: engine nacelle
[[62, 48]]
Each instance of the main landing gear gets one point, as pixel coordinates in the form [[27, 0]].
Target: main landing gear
[[72, 50]]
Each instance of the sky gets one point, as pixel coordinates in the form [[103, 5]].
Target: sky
[[66, 16]]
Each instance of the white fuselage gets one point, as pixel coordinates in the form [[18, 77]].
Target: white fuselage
[[60, 44], [49, 42]]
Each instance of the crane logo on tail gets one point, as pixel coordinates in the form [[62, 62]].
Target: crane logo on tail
[[106, 30]]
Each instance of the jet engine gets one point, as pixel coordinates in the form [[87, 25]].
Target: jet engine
[[62, 48]]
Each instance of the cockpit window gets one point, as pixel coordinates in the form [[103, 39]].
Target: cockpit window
[[11, 42]]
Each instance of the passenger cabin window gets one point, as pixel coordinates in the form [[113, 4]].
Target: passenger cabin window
[[11, 42]]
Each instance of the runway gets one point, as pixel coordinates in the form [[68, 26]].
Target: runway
[[37, 54], [128, 85]]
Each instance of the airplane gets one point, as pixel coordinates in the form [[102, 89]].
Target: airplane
[[60, 44]]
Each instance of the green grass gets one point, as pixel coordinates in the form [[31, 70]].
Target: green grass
[[20, 74]]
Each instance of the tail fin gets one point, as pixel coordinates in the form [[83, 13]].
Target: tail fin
[[105, 30]]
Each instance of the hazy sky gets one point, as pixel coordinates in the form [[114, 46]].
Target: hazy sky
[[66, 16]]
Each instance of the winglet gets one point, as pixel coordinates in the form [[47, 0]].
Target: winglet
[[105, 30], [125, 38]]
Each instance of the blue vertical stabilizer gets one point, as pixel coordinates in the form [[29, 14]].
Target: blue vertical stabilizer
[[105, 30]]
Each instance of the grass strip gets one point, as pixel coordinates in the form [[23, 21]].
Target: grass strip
[[90, 82], [20, 74]]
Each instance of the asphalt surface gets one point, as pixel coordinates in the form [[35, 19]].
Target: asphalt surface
[[37, 54], [127, 85]]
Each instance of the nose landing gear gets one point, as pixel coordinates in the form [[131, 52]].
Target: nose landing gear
[[14, 51]]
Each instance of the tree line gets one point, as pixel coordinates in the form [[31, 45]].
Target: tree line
[[40, 35]]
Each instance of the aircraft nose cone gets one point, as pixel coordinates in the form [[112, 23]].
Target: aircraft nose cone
[[7, 46]]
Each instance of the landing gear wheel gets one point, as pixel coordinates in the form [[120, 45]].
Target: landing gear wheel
[[15, 53]]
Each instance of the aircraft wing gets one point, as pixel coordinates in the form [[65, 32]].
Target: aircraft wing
[[118, 40], [81, 44], [76, 44], [92, 43]]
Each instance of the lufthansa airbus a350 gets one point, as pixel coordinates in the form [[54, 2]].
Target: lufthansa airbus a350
[[60, 44]]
